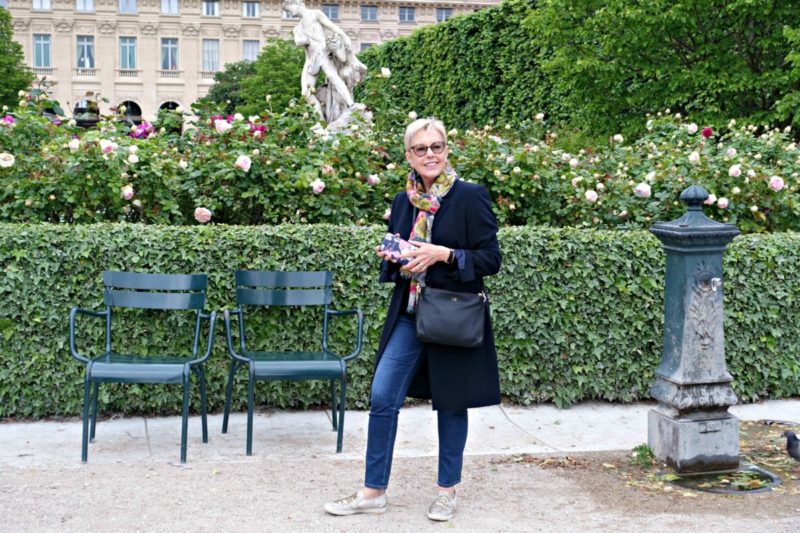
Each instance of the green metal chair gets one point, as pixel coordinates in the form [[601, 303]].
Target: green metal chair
[[145, 291], [256, 288]]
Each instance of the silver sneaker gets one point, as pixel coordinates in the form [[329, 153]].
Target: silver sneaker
[[356, 503], [443, 507]]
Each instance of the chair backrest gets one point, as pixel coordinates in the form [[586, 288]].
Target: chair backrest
[[155, 291], [255, 287]]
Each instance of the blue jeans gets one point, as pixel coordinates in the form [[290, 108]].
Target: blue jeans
[[400, 361]]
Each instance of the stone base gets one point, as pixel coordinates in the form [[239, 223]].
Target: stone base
[[694, 446]]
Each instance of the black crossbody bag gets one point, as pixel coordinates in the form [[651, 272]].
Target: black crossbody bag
[[450, 317]]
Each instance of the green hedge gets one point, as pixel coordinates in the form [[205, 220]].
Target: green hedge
[[577, 313], [472, 70]]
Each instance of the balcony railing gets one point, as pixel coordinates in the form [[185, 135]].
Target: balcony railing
[[128, 72], [43, 71], [86, 72], [207, 74], [170, 74]]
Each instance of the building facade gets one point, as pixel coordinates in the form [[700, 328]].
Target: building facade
[[148, 54]]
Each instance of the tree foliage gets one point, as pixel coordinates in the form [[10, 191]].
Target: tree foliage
[[16, 75], [276, 73], [227, 89], [614, 60]]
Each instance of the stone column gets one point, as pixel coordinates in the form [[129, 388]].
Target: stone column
[[691, 429]]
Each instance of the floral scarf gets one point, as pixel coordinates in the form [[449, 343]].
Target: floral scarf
[[427, 205]]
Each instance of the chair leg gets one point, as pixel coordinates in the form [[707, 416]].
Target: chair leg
[[340, 436], [185, 417], [203, 402], [85, 430], [251, 392], [95, 394], [228, 393], [333, 403]]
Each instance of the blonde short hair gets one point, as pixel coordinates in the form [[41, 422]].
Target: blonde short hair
[[423, 124]]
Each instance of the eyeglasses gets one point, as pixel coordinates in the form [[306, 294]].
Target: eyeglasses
[[420, 149]]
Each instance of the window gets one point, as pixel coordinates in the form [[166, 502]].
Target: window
[[364, 46], [250, 50], [210, 8], [127, 53], [443, 13], [127, 6], [41, 5], [250, 10], [41, 49], [369, 13], [406, 14], [85, 51], [169, 7], [169, 53], [331, 11], [84, 5], [211, 55]]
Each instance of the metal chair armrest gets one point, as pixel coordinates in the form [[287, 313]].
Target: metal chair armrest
[[226, 315], [212, 318], [74, 312], [359, 337]]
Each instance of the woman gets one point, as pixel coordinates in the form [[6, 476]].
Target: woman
[[453, 225]]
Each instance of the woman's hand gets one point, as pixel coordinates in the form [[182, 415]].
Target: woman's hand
[[425, 255]]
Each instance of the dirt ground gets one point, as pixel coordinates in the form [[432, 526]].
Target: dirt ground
[[584, 492]]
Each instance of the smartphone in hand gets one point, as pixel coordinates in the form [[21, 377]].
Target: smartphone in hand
[[394, 246]]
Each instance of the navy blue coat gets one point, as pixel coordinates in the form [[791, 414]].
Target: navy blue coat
[[455, 378]]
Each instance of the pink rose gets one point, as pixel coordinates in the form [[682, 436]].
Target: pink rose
[[642, 190], [711, 199], [731, 153], [692, 128], [373, 179], [387, 214], [222, 125], [327, 170], [243, 162], [735, 171], [776, 183], [707, 132], [127, 192], [107, 146], [317, 186], [591, 196], [202, 215], [722, 203]]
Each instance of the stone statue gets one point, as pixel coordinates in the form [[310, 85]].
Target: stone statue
[[329, 50]]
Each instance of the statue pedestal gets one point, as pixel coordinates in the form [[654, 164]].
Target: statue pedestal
[[700, 444]]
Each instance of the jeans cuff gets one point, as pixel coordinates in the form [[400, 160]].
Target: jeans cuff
[[448, 485]]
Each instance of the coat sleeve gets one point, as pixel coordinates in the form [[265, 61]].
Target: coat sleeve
[[483, 256], [390, 271]]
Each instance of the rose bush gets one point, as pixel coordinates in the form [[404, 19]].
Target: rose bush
[[285, 167]]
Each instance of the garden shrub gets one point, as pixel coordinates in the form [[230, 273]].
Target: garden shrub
[[283, 167], [577, 313]]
